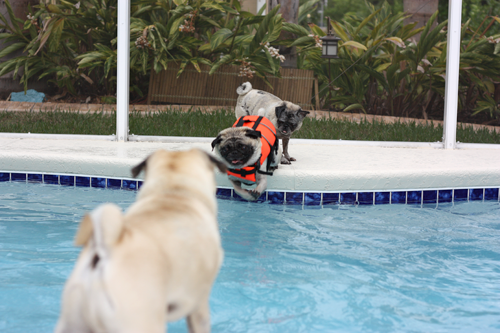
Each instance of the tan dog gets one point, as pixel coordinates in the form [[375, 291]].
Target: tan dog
[[156, 263]]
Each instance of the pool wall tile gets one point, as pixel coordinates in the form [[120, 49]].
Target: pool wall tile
[[414, 197], [129, 184], [476, 194], [237, 197], [460, 195], [491, 194], [294, 198], [224, 193], [445, 196], [51, 179], [424, 197], [312, 199], [262, 198], [276, 197], [365, 198], [115, 184], [35, 177], [98, 182], [18, 177], [382, 198], [398, 197], [67, 180], [348, 198], [330, 198], [82, 181], [430, 197]]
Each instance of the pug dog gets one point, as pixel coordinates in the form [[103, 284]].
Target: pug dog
[[250, 155], [285, 116], [155, 263]]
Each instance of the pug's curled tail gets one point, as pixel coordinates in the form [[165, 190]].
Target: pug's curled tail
[[244, 88]]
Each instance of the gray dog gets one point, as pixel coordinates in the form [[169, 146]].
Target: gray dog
[[285, 116]]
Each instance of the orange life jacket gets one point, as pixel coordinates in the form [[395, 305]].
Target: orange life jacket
[[269, 143]]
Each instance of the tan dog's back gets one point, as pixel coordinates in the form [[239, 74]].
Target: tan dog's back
[[155, 263]]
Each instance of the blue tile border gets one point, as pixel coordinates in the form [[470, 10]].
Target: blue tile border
[[18, 177], [294, 198], [331, 198], [382, 198], [82, 181], [35, 177], [67, 180], [312, 199], [414, 197]]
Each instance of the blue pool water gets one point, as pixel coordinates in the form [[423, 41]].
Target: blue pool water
[[341, 269]]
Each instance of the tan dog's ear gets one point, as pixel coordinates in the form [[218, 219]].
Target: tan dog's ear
[[221, 166], [84, 231], [139, 167]]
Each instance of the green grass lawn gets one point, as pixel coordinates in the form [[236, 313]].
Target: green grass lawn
[[198, 124]]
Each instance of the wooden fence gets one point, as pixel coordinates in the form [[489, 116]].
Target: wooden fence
[[296, 85]]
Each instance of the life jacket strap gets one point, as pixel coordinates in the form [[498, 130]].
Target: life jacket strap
[[242, 121]]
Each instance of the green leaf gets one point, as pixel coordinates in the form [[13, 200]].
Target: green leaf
[[219, 37], [270, 61], [317, 30], [224, 60], [175, 26], [209, 20], [354, 107], [383, 67], [295, 29], [181, 68], [205, 47], [303, 41], [365, 21], [355, 45], [55, 39], [195, 64], [11, 48], [53, 9], [340, 31], [262, 30]]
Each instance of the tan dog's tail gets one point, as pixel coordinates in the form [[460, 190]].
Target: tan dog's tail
[[244, 88], [104, 225]]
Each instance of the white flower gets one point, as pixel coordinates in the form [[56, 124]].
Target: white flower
[[493, 41], [77, 5]]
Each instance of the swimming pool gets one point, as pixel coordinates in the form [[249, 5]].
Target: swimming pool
[[398, 268]]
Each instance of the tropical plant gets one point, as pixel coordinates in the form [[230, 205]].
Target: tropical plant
[[380, 70], [73, 43]]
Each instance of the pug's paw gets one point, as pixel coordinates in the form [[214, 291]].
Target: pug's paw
[[255, 194], [284, 160], [288, 157]]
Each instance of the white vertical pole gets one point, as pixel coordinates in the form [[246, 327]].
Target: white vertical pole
[[123, 70], [452, 71]]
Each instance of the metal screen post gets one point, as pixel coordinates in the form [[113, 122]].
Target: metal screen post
[[452, 71], [123, 70]]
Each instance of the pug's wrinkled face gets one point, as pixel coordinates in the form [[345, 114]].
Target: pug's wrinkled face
[[238, 147], [289, 118]]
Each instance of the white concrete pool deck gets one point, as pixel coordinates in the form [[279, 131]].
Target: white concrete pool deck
[[319, 167]]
